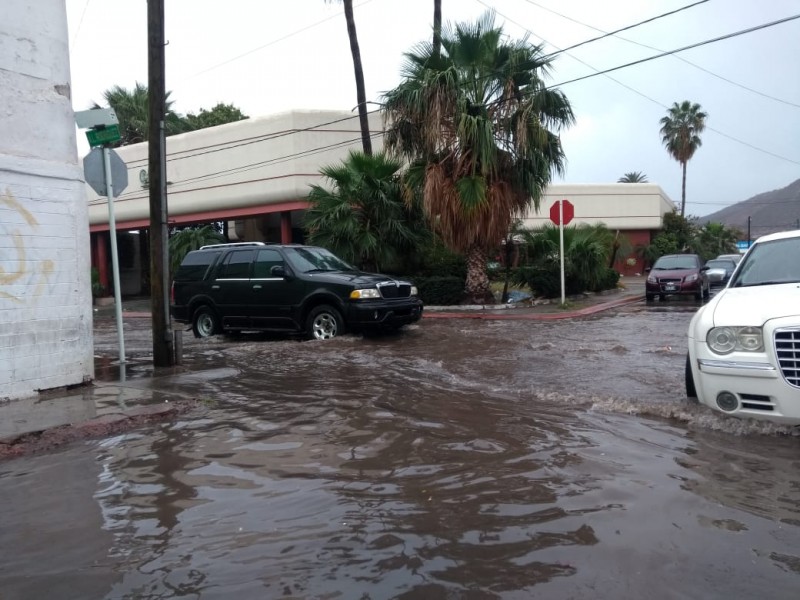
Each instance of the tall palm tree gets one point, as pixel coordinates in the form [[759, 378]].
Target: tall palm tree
[[680, 133], [437, 27], [361, 94], [364, 217], [633, 177], [479, 127]]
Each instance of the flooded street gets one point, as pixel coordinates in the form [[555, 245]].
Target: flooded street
[[460, 459]]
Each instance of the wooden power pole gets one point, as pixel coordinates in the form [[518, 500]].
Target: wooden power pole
[[163, 352]]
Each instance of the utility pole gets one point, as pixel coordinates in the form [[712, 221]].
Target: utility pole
[[163, 352], [749, 238]]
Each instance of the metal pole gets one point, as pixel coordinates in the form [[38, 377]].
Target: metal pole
[[112, 228], [561, 245]]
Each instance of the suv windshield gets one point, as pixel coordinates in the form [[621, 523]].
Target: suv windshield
[[676, 262], [307, 259], [770, 263]]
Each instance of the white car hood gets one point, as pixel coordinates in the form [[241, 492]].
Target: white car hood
[[754, 306]]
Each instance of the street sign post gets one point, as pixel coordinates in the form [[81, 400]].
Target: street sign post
[[101, 135], [561, 213]]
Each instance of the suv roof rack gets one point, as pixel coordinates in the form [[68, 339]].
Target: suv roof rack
[[232, 244]]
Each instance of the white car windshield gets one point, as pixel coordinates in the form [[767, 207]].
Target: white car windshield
[[770, 263]]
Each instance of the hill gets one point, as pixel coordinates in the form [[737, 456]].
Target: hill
[[778, 210]]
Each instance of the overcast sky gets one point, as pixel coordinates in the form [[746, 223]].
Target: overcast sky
[[271, 56]]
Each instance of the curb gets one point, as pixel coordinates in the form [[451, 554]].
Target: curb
[[581, 312]]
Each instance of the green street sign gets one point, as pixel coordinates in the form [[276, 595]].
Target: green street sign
[[103, 135]]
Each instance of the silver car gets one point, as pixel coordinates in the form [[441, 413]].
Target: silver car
[[720, 271]]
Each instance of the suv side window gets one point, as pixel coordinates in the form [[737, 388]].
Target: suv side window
[[195, 266], [265, 261], [236, 265]]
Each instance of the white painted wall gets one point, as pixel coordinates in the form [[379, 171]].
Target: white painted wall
[[45, 297], [622, 206]]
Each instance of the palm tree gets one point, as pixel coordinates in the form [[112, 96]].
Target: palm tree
[[437, 27], [132, 110], [361, 94], [633, 177], [479, 128], [680, 133], [364, 218]]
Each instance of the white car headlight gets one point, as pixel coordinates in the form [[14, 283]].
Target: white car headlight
[[414, 291], [362, 294], [724, 340], [692, 277], [651, 279]]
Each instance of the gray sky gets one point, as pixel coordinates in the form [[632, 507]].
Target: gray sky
[[271, 56]]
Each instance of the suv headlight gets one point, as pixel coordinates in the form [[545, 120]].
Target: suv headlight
[[692, 277], [414, 291], [724, 340], [362, 294]]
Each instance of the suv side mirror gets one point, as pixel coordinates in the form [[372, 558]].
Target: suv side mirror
[[705, 268], [278, 271]]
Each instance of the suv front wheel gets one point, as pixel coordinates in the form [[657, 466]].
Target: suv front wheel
[[205, 322], [324, 322]]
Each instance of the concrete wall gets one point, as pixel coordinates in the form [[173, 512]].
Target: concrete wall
[[45, 296]]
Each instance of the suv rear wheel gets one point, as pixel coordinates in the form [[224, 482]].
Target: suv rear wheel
[[205, 322], [324, 322]]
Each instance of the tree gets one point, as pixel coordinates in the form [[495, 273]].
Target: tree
[[676, 237], [358, 69], [713, 239], [437, 27], [364, 217], [480, 130], [633, 177], [220, 114], [132, 110], [680, 133]]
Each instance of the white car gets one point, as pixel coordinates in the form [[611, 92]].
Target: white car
[[744, 345]]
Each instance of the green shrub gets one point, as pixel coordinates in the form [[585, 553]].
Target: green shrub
[[434, 260], [608, 280], [546, 281], [440, 291]]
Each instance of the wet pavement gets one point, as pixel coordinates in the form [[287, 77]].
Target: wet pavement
[[461, 458]]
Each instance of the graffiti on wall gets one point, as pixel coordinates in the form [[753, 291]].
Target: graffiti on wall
[[15, 269]]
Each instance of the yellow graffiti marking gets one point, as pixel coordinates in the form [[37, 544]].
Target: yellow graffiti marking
[[46, 270], [12, 277], [12, 203]]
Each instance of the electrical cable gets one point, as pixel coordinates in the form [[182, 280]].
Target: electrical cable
[[681, 58]]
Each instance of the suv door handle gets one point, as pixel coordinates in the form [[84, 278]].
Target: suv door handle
[[214, 287], [256, 287]]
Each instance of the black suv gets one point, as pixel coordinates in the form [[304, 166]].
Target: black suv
[[285, 287]]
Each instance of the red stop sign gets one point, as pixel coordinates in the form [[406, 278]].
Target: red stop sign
[[569, 212]]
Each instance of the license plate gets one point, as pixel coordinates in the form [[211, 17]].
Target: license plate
[[670, 288]]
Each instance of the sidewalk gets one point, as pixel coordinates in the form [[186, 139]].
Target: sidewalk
[[112, 404]]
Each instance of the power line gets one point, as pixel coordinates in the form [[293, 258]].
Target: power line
[[78, 29], [270, 43], [687, 61]]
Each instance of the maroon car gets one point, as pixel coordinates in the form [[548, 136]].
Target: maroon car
[[677, 274]]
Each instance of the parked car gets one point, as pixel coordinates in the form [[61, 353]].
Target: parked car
[[677, 274], [734, 257], [719, 271], [295, 288], [744, 345]]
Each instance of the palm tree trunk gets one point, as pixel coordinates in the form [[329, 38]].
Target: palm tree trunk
[[361, 94], [683, 190], [477, 284], [437, 27]]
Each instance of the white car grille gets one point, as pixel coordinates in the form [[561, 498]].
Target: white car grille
[[787, 348]]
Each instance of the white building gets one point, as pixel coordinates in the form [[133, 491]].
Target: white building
[[45, 297], [256, 173]]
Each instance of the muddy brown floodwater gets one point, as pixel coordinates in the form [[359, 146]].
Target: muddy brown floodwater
[[459, 459]]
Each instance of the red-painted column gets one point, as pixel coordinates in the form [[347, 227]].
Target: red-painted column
[[286, 227], [101, 256]]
